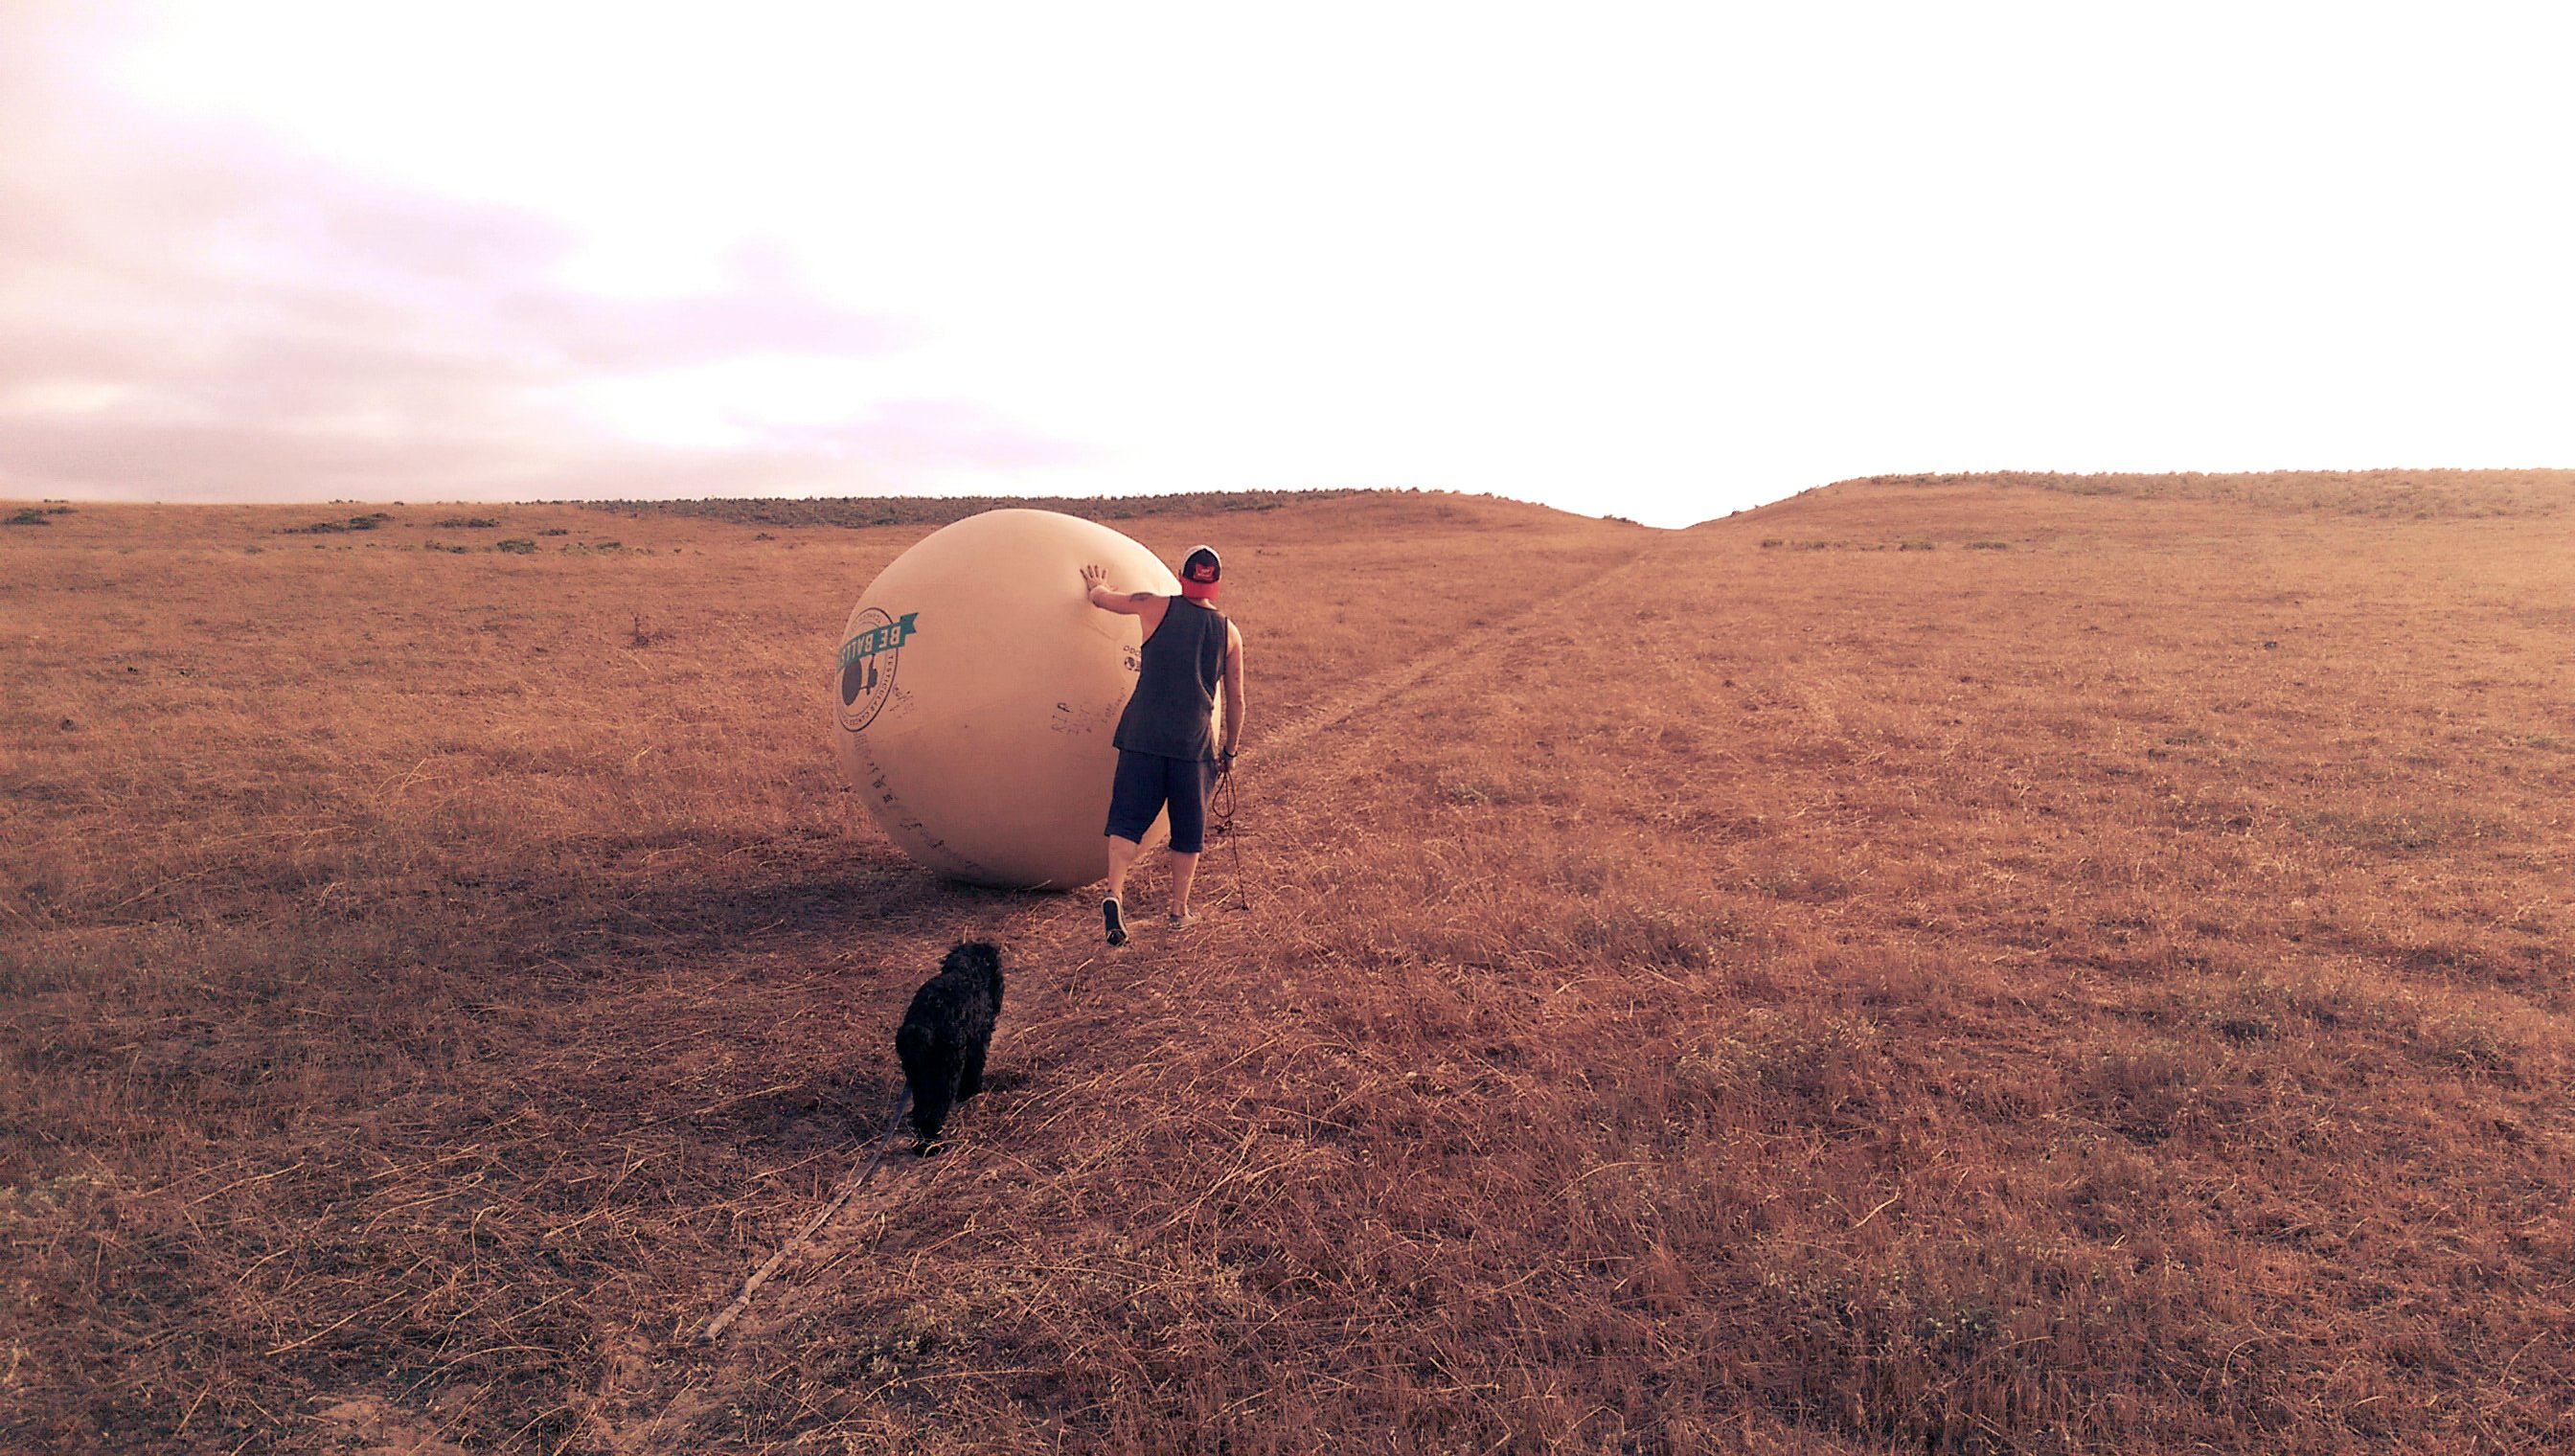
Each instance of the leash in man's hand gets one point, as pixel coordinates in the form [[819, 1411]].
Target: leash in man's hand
[[1222, 804]]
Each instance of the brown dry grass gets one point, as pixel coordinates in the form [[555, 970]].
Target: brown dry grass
[[2103, 991]]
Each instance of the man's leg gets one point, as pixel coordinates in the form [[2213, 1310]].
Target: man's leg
[[1133, 798], [1113, 910], [1187, 790], [1121, 858]]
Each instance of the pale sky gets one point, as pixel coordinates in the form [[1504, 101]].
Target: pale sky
[[1657, 260]]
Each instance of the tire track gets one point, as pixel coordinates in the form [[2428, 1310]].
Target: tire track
[[1392, 684]]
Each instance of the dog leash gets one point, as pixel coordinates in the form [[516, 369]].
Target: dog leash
[[1222, 802], [885, 1140]]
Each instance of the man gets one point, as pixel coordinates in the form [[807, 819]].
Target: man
[[1167, 745]]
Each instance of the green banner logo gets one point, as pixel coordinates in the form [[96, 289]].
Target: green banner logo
[[868, 660]]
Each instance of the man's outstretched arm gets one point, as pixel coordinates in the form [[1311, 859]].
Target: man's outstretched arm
[[1130, 603]]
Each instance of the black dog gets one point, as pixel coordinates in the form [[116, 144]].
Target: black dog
[[945, 1036]]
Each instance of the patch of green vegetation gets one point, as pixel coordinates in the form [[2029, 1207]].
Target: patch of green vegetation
[[516, 547], [467, 523], [30, 516]]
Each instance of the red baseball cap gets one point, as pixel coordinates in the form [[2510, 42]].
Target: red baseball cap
[[1200, 570]]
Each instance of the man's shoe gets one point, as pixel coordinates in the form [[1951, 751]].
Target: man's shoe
[[1115, 919]]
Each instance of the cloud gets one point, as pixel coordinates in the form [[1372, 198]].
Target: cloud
[[191, 310], [928, 434]]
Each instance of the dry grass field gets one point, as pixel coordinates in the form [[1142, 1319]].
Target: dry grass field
[[1958, 964]]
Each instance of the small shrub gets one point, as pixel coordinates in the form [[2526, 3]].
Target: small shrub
[[1803, 1054], [2398, 831], [1479, 792], [467, 523], [554, 531], [366, 521], [1640, 935], [1989, 546], [2244, 1029], [2466, 1043], [29, 517], [516, 547]]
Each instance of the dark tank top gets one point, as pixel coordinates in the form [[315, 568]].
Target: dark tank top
[[1173, 710]]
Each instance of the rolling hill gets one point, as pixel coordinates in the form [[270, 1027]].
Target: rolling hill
[[1961, 963]]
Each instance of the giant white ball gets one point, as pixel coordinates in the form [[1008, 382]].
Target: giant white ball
[[977, 689]]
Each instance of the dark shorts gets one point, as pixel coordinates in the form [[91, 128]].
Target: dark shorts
[[1147, 782]]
